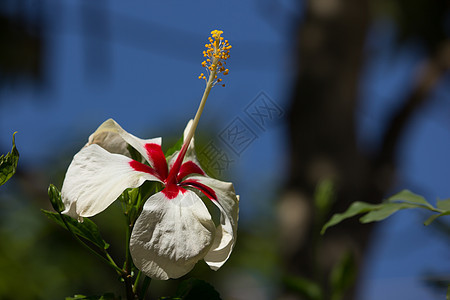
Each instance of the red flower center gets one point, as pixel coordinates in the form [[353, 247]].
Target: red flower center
[[173, 180]]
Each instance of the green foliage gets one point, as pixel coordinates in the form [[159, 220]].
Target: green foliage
[[174, 148], [8, 163], [55, 198], [342, 276], [324, 196], [354, 209], [304, 287], [134, 199], [377, 212], [87, 229], [134, 153], [108, 296], [343, 273], [194, 289], [443, 204]]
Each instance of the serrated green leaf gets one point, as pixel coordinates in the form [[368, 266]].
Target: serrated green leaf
[[304, 287], [385, 210], [410, 197], [443, 205], [195, 289], [8, 163], [355, 209], [86, 229], [434, 217]]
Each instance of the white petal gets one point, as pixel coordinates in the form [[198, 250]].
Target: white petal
[[113, 129], [107, 136], [95, 178], [171, 235], [226, 233]]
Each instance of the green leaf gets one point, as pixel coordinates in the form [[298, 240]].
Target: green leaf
[[434, 217], [134, 154], [354, 209], [195, 289], [443, 204], [55, 198], [323, 196], [8, 163], [305, 287], [86, 229], [174, 148], [410, 197], [343, 276], [385, 210]]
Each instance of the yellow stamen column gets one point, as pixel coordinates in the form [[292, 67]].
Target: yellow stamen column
[[217, 52]]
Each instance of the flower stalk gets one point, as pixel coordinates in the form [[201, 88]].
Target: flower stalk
[[217, 53]]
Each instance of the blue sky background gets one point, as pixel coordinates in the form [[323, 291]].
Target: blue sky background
[[142, 71]]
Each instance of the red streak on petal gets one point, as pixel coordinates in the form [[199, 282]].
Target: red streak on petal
[[172, 178], [156, 156], [172, 190], [209, 192], [187, 168], [140, 167]]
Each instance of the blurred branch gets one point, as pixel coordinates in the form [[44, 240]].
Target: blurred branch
[[432, 71]]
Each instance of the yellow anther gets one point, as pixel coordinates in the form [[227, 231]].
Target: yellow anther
[[216, 54]]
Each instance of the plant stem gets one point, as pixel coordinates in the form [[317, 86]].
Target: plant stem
[[128, 266], [129, 287], [136, 281], [144, 288]]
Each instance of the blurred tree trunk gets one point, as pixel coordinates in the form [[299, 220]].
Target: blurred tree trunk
[[322, 128], [322, 133]]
